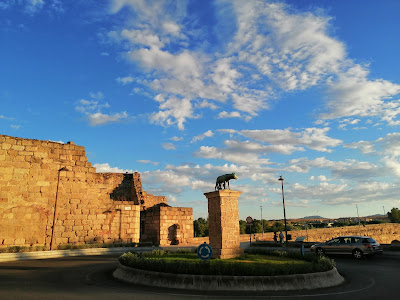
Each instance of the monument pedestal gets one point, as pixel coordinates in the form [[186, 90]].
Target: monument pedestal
[[223, 222]]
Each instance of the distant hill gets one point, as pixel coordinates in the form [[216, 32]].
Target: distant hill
[[314, 217]]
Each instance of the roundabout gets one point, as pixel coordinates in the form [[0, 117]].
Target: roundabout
[[229, 283], [268, 271], [90, 277]]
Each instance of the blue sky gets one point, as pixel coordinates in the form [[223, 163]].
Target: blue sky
[[185, 91]]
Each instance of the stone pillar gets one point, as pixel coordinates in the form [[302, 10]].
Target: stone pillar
[[223, 218]]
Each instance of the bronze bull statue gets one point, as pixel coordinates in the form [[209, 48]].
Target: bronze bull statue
[[223, 179]]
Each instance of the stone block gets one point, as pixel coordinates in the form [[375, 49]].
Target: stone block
[[5, 146], [39, 154]]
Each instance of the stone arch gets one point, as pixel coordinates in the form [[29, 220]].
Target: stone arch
[[174, 234]]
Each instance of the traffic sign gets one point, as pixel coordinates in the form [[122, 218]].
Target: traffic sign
[[249, 220], [204, 251]]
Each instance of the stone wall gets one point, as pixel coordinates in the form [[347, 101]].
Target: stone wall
[[165, 225], [34, 175], [383, 233], [150, 200]]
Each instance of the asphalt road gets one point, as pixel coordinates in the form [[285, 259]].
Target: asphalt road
[[90, 277]]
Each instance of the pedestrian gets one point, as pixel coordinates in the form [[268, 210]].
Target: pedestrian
[[275, 237], [281, 237]]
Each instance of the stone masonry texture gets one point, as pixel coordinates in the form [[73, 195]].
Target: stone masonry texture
[[91, 207], [382, 233], [165, 225], [224, 231]]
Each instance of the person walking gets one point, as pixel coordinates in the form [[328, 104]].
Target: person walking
[[281, 237], [275, 237]]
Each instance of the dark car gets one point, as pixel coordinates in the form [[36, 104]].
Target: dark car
[[358, 246]]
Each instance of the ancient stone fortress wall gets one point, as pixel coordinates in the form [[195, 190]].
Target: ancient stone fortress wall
[[165, 225], [383, 233], [150, 200], [91, 207]]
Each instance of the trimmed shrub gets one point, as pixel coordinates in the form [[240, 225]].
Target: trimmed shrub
[[188, 263]]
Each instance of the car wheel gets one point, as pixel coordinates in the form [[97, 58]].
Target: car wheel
[[320, 252], [357, 253]]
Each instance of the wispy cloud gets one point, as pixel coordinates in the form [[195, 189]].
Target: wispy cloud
[[106, 168], [274, 49], [168, 146], [92, 110], [202, 136], [32, 7], [145, 161]]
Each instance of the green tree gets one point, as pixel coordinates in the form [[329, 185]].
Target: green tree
[[394, 215], [200, 227], [278, 226], [242, 226], [256, 227]]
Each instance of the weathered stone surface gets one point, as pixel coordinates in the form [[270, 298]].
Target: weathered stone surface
[[101, 207], [223, 218]]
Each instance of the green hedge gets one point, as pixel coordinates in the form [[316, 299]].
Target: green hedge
[[18, 249], [163, 261]]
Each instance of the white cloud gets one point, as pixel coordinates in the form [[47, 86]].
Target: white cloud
[[241, 158], [165, 181], [274, 49], [98, 95], [206, 104], [31, 7], [176, 139], [313, 138], [92, 110], [389, 145], [145, 161], [364, 146], [202, 136], [168, 146], [106, 168], [6, 118], [293, 49], [352, 94], [174, 111], [393, 164], [16, 127], [172, 199], [349, 168], [232, 114], [101, 119], [125, 80]]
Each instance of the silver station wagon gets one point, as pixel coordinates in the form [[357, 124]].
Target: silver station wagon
[[358, 246]]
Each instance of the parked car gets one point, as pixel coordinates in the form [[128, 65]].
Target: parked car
[[358, 246]]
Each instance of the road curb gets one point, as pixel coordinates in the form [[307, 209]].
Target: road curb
[[229, 283]]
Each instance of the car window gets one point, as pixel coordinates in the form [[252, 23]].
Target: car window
[[346, 240], [354, 240], [333, 242], [369, 240]]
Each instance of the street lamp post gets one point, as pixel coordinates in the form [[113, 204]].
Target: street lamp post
[[55, 207], [284, 210], [262, 222]]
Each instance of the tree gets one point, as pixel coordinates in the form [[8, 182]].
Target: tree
[[200, 227], [278, 226], [394, 215], [242, 226]]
